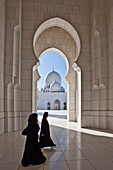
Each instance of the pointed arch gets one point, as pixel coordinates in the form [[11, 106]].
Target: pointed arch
[[62, 24], [56, 104], [59, 52]]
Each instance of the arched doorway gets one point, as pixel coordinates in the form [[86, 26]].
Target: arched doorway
[[50, 31], [52, 85], [65, 105], [56, 105], [48, 106]]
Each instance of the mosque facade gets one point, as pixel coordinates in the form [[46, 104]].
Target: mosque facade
[[53, 96]]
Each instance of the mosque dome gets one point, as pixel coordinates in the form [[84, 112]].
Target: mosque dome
[[55, 87], [53, 76]]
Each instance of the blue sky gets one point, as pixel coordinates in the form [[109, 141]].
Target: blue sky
[[47, 62]]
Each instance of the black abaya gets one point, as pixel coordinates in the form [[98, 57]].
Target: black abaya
[[45, 139], [32, 153]]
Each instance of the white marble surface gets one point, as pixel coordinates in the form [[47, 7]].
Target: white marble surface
[[77, 149]]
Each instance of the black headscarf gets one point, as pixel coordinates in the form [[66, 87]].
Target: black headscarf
[[45, 115], [33, 118]]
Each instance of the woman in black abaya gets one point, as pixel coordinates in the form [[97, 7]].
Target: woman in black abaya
[[45, 139], [32, 153]]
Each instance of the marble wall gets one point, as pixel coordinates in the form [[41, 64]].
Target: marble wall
[[109, 12], [2, 33], [93, 22]]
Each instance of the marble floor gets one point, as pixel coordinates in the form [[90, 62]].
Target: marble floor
[[77, 149]]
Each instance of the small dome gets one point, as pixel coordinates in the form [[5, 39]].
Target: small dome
[[55, 87], [52, 77]]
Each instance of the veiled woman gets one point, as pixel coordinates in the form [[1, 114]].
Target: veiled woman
[[45, 139], [32, 152]]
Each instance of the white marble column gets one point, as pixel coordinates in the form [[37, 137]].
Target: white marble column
[[17, 92], [78, 94], [34, 87], [16, 41], [9, 118], [17, 107]]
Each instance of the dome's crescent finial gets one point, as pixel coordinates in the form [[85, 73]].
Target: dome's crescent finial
[[53, 68]]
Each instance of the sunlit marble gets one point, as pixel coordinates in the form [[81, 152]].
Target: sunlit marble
[[77, 149]]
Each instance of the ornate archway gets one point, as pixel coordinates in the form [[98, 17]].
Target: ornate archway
[[56, 105], [62, 24], [75, 109]]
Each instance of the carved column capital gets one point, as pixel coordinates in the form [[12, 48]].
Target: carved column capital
[[76, 67]]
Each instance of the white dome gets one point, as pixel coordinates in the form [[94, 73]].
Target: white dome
[[56, 87], [52, 77]]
